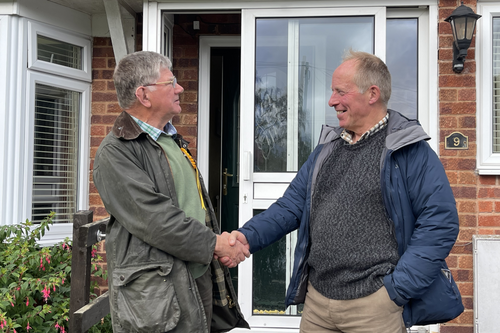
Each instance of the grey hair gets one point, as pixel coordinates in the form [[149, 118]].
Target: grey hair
[[370, 70], [135, 70]]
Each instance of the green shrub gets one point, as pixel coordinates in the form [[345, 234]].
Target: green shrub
[[35, 281]]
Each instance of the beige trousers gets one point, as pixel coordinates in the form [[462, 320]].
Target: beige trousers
[[375, 313]]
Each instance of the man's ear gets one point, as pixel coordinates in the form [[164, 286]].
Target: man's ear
[[374, 93], [142, 95]]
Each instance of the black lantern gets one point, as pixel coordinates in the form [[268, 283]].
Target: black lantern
[[463, 22]]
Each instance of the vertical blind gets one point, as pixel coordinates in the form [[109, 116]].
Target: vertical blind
[[55, 153], [496, 85], [60, 53]]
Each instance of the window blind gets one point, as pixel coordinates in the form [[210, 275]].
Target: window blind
[[496, 85], [60, 53], [55, 171]]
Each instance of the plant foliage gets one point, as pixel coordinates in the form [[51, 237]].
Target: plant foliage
[[35, 281]]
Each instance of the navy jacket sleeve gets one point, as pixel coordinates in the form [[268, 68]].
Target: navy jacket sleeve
[[424, 212], [283, 216]]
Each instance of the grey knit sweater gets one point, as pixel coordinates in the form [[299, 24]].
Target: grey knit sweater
[[352, 240]]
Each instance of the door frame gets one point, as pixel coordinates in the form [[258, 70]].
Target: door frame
[[206, 44]]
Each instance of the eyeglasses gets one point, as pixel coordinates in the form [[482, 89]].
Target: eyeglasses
[[173, 82]]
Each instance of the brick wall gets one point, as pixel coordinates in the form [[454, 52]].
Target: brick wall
[[478, 197]]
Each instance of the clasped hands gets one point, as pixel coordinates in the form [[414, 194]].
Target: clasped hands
[[231, 248]]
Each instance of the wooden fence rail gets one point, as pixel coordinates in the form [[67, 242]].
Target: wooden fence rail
[[85, 234]]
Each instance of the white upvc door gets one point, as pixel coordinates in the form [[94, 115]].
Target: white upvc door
[[288, 57]]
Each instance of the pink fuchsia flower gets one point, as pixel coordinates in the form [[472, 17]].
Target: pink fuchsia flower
[[27, 303], [46, 293], [2, 323], [28, 327], [54, 287]]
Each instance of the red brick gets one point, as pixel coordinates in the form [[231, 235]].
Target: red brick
[[446, 328], [98, 85], [458, 108], [466, 177], [487, 180], [485, 206], [486, 193], [466, 288], [465, 262], [467, 220], [452, 177], [103, 97], [467, 122], [97, 130], [113, 108], [463, 275], [457, 81], [98, 63], [483, 231], [467, 206], [497, 206], [448, 95], [103, 52], [101, 41], [489, 220], [452, 261], [465, 234], [464, 192], [448, 122], [467, 95], [462, 247]]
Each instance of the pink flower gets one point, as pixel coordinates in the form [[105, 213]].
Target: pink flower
[[54, 287], [28, 327], [27, 303], [2, 323], [46, 293], [12, 304]]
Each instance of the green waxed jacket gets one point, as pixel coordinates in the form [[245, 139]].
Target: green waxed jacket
[[149, 241]]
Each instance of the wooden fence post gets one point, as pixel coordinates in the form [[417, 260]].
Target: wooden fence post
[[80, 264]]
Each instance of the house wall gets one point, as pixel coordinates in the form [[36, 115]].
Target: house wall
[[478, 197]]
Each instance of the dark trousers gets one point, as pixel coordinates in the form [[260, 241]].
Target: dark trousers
[[204, 284]]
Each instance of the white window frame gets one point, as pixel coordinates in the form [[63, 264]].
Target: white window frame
[[58, 231], [35, 29], [488, 162], [23, 71]]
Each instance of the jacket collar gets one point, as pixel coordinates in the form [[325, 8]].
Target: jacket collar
[[125, 127], [401, 131]]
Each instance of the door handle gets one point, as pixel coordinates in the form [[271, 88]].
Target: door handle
[[225, 174]]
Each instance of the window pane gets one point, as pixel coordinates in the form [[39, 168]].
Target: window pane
[[55, 153], [295, 60], [496, 85], [60, 53], [402, 61]]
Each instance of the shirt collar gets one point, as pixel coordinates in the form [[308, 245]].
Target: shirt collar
[[154, 132], [347, 135]]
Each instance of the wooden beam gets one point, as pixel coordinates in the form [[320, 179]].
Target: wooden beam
[[92, 313]]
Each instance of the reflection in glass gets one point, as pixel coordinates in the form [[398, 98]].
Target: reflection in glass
[[295, 59], [496, 85], [402, 61]]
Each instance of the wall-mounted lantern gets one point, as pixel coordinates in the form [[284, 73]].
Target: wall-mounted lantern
[[463, 22]]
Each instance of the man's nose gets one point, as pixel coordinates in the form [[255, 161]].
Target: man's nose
[[333, 100], [179, 89]]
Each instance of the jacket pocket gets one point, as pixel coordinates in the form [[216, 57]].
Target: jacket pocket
[[441, 303], [145, 298]]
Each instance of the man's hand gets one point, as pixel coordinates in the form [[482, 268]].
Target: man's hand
[[235, 238], [233, 253]]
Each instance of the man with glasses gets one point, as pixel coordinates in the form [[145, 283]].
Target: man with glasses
[[162, 235]]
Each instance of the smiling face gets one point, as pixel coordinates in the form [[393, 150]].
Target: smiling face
[[353, 108]]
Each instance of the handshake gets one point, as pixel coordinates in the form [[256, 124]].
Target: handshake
[[231, 248]]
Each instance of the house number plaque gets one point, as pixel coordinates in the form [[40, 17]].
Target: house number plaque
[[456, 140]]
